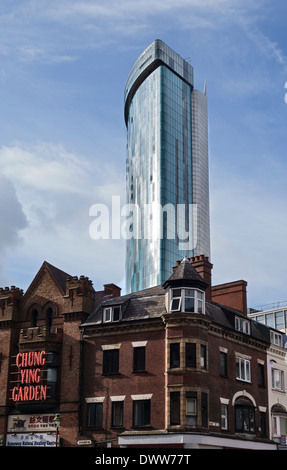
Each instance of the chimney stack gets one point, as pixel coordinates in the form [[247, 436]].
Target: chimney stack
[[203, 267]]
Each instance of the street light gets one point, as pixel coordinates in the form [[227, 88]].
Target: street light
[[57, 421]]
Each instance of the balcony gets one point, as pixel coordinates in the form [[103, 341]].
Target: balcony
[[41, 334]]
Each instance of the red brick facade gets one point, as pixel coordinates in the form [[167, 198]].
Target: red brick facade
[[159, 380], [135, 370], [45, 318]]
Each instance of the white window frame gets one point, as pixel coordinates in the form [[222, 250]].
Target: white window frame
[[224, 416], [242, 325], [198, 296], [274, 380], [243, 373], [276, 425], [191, 406], [191, 411], [108, 318], [175, 297], [276, 338]]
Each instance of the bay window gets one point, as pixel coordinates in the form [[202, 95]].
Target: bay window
[[187, 300]]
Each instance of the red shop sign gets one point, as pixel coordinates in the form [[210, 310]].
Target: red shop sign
[[29, 365]]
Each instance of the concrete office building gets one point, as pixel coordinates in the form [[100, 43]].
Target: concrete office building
[[274, 316], [167, 166]]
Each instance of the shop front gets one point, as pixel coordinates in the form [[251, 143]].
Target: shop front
[[34, 430]]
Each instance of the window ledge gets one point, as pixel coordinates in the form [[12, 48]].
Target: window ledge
[[105, 374]]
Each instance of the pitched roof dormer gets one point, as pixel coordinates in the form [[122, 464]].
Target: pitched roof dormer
[[185, 275], [185, 289]]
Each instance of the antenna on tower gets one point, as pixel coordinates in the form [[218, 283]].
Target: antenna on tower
[[204, 89]]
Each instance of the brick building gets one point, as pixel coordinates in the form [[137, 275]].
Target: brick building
[[40, 361], [178, 365], [170, 366]]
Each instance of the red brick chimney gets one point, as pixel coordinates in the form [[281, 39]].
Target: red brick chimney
[[231, 294], [203, 267], [113, 290], [110, 290]]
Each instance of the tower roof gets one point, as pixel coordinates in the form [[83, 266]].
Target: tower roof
[[186, 275], [156, 54]]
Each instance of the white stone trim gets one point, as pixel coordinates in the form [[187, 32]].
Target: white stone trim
[[244, 394], [107, 347], [138, 344], [224, 401], [146, 396], [118, 398], [95, 399]]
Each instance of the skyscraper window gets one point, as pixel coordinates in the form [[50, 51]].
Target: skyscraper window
[[167, 166]]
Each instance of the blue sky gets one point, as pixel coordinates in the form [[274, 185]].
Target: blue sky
[[63, 69]]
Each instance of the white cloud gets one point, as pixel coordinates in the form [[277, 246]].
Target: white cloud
[[31, 53], [56, 190], [269, 49], [12, 221], [12, 216]]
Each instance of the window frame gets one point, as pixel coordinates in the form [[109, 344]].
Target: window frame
[[95, 415], [224, 416], [139, 358], [197, 295], [247, 414], [246, 376], [276, 338], [261, 375], [281, 379], [203, 357], [111, 317], [191, 418], [242, 325], [192, 400], [174, 355], [35, 317], [175, 298], [120, 404], [174, 415], [111, 360], [190, 355], [277, 424], [223, 364], [142, 410]]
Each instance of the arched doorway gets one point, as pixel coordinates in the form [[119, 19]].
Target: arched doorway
[[244, 415]]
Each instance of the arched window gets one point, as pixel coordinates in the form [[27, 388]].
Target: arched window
[[49, 319], [34, 317], [244, 415], [279, 420]]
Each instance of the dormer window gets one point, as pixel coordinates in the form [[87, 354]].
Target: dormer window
[[112, 314], [187, 300], [276, 338], [242, 325]]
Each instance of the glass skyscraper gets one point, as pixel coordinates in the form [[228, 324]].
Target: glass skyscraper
[[167, 167]]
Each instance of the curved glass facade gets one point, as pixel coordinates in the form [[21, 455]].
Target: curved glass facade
[[160, 170]]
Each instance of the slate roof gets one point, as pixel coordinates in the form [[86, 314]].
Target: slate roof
[[59, 275], [150, 304], [185, 271]]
